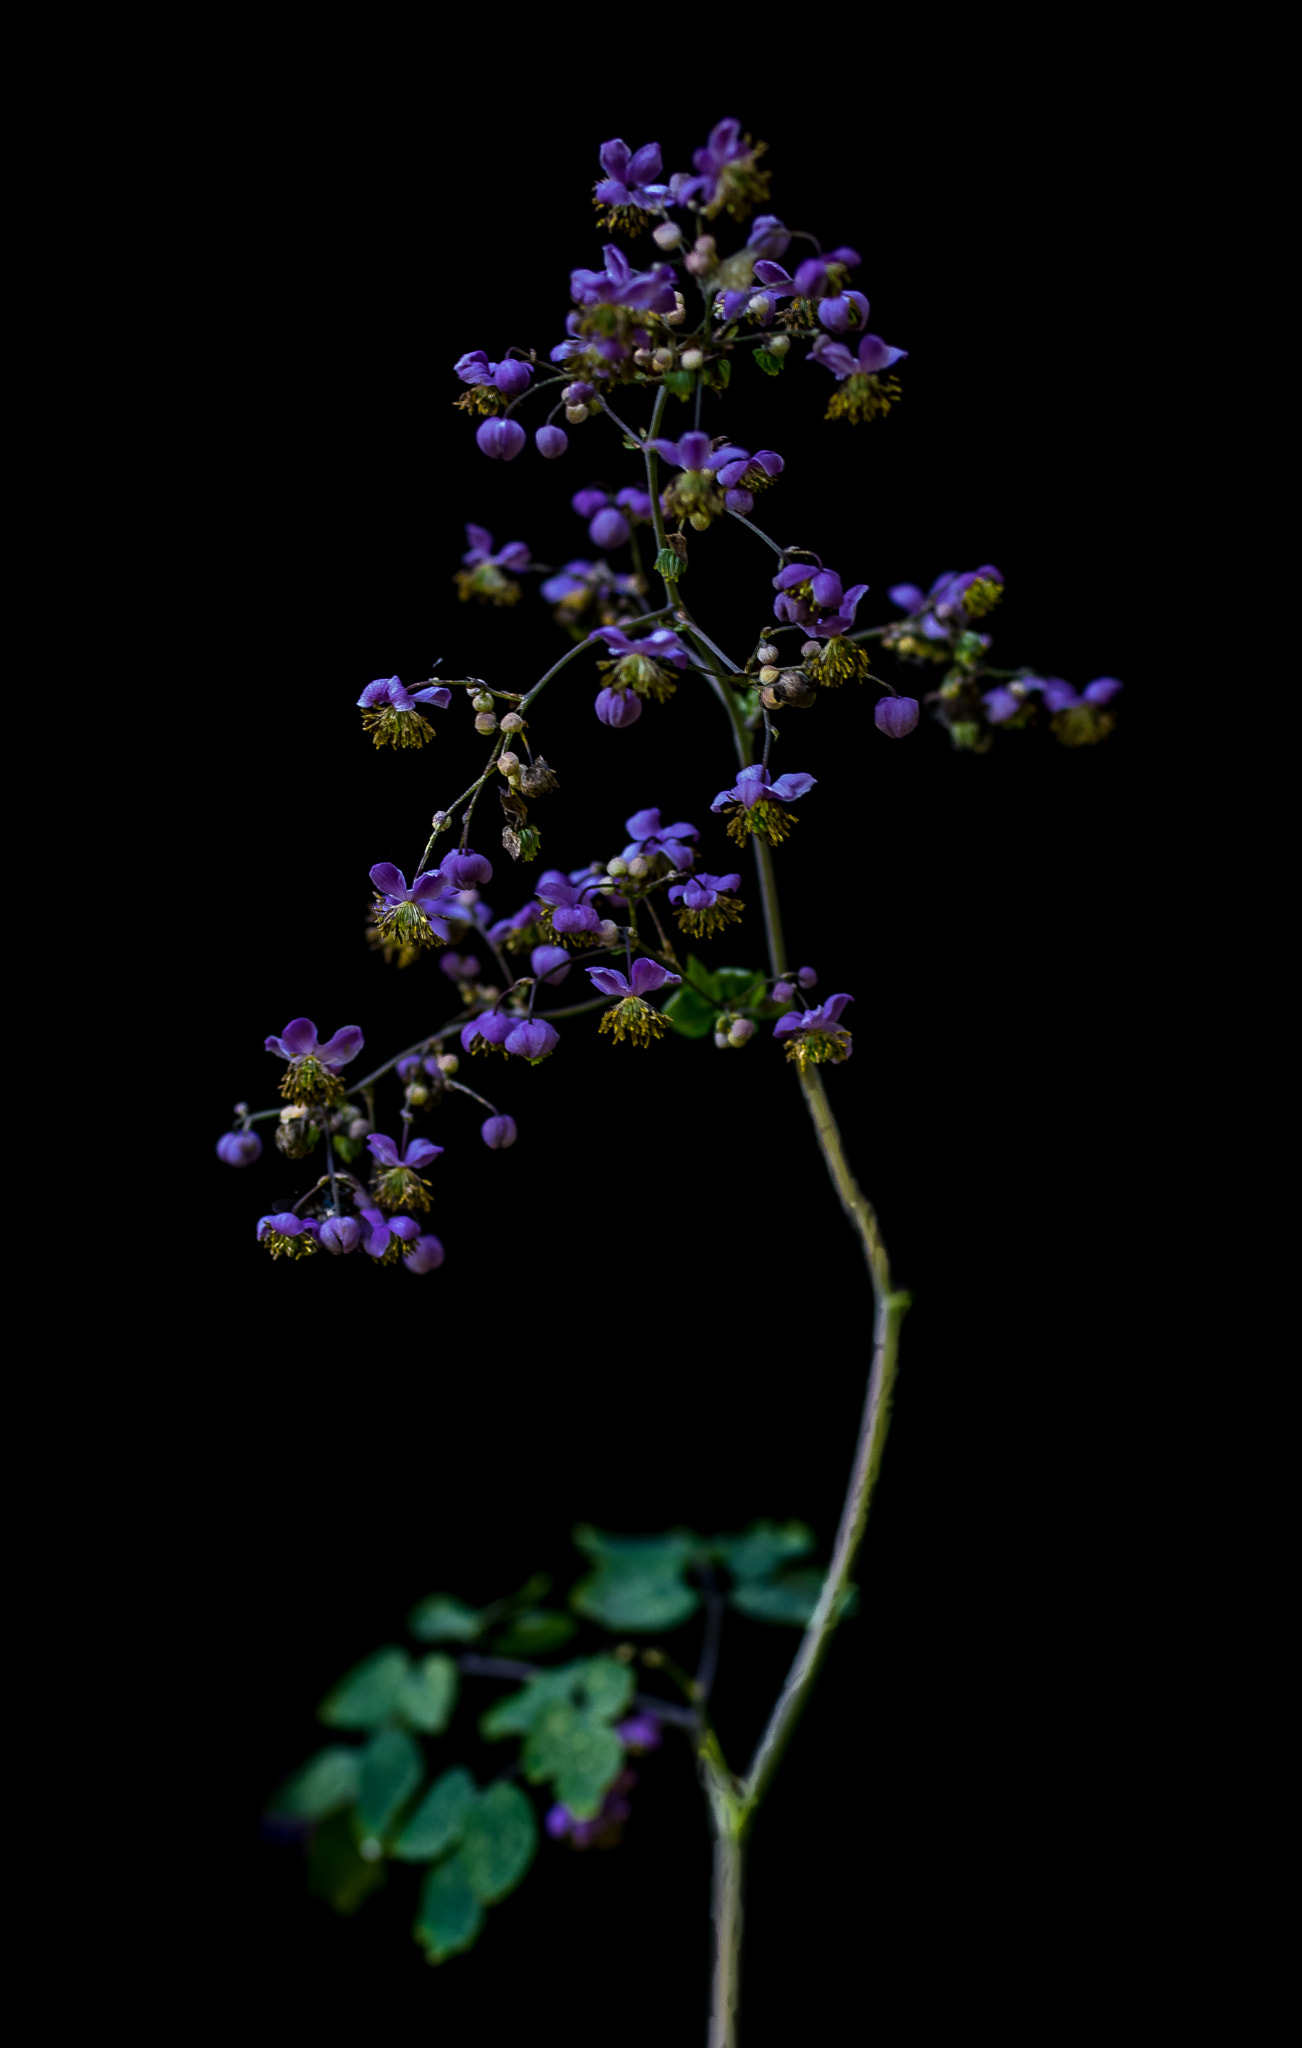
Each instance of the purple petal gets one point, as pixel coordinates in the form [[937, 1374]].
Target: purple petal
[[896, 716], [788, 787], [793, 1021], [383, 1149], [649, 974], [420, 1152], [551, 964], [389, 880], [833, 1007], [426, 1257], [1102, 691], [435, 694], [532, 1041], [344, 1046], [694, 451], [874, 354], [645, 165], [609, 980], [299, 1038]]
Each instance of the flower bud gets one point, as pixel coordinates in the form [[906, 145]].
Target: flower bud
[[769, 674], [760, 304], [642, 357], [340, 1234], [239, 1148], [705, 245], [664, 358], [551, 441], [618, 707], [577, 394], [512, 377], [766, 652], [806, 976], [485, 723], [698, 265], [609, 529], [502, 439], [692, 359], [509, 764], [608, 931], [498, 1132], [742, 1030], [720, 1037], [638, 867], [575, 413], [358, 1129], [810, 648], [778, 344], [896, 716], [513, 722], [700, 520], [783, 991], [482, 700], [668, 235], [679, 314], [448, 1062], [618, 866], [427, 1255]]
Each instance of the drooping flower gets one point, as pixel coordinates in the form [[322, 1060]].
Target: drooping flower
[[728, 178], [551, 441], [754, 804], [813, 597], [746, 475], [551, 964], [631, 191], [704, 904], [386, 1239], [572, 918], [416, 916], [696, 494], [501, 439], [312, 1075], [396, 1181], [1078, 719], [239, 1148], [340, 1234], [618, 707], [389, 712], [863, 390], [534, 1040], [482, 576], [488, 1033], [817, 1035], [498, 1132], [896, 716], [939, 625], [649, 291], [650, 840], [287, 1236], [490, 382], [632, 1017], [466, 869], [425, 1255], [642, 665]]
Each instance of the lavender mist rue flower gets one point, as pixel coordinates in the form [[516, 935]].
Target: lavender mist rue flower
[[754, 804], [340, 1234], [491, 384], [287, 1236], [633, 1017], [425, 1255], [498, 1132], [313, 1072], [488, 1033], [896, 716], [631, 192], [664, 846], [747, 475], [395, 1180], [862, 391], [727, 179], [704, 905], [407, 917], [502, 439], [386, 1239], [482, 576], [389, 712], [571, 917], [532, 1040], [816, 1035], [814, 598], [697, 494], [239, 1148], [640, 665]]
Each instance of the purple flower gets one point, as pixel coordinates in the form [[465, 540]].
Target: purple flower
[[619, 284], [487, 1033], [385, 1238], [457, 967], [703, 891], [498, 1132], [419, 1151], [605, 1829], [551, 441], [639, 1732], [767, 236], [726, 174], [648, 837], [662, 645], [705, 903], [340, 1234], [760, 806], [1061, 696], [694, 451], [609, 529], [551, 964], [239, 1148], [807, 977], [646, 975], [515, 555], [534, 1041], [748, 474], [872, 356], [1002, 704], [632, 1016], [618, 707], [813, 597], [467, 870], [570, 912], [896, 716], [426, 1254], [394, 696], [512, 377], [632, 177], [502, 439], [287, 1236], [313, 1072], [416, 916], [816, 1035]]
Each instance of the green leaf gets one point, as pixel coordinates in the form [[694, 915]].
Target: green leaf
[[535, 1633], [500, 1842], [337, 1871], [428, 1694], [437, 1823], [605, 1686], [680, 382], [771, 365], [717, 374], [638, 1583], [450, 1915], [367, 1696], [516, 1714], [391, 1769], [326, 1784], [764, 1547], [739, 987], [792, 1599], [689, 1013], [703, 977], [443, 1619], [580, 1753], [670, 565]]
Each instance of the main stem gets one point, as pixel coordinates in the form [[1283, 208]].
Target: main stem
[[733, 1802]]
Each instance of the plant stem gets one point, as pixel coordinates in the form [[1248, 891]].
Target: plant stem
[[726, 1916]]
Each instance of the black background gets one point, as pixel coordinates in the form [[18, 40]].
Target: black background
[[652, 1310]]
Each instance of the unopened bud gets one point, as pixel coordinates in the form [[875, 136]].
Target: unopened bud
[[618, 866], [766, 652], [513, 722], [759, 304], [664, 359], [721, 1040], [485, 723], [482, 700], [575, 413], [358, 1129], [638, 867], [642, 357], [810, 649], [742, 1030], [440, 821], [692, 359], [609, 931], [679, 313], [700, 520], [668, 235], [778, 344], [448, 1062], [769, 674], [509, 763], [698, 265], [705, 245], [417, 1095]]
